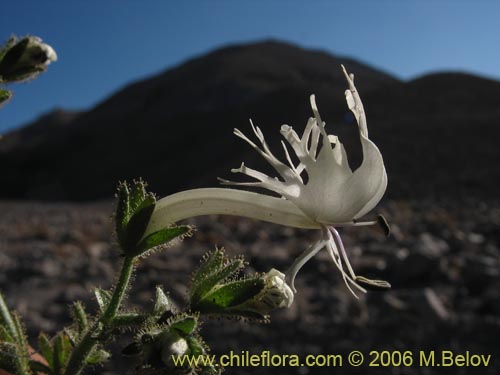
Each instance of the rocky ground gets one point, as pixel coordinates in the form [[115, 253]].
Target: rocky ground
[[443, 260]]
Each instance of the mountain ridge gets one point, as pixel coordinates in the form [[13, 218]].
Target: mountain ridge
[[174, 129]]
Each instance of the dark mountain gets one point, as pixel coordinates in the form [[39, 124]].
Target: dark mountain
[[437, 133]]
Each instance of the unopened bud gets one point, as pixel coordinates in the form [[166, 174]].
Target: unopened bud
[[25, 59], [276, 293]]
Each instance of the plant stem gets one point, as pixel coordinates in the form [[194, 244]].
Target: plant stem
[[84, 348]]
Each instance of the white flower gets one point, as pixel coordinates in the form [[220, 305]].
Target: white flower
[[333, 196]]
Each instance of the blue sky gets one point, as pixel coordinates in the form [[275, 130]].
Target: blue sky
[[104, 45]]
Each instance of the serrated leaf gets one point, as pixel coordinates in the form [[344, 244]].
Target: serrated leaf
[[205, 285], [162, 303], [46, 349], [185, 325], [103, 298], [98, 356]]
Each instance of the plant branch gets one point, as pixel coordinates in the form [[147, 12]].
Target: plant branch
[[88, 343]]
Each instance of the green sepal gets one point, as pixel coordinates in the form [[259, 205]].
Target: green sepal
[[203, 286], [133, 212], [185, 325], [137, 225], [137, 195], [226, 298], [161, 237], [211, 262], [122, 215]]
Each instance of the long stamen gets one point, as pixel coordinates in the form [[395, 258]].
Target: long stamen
[[338, 242], [334, 254]]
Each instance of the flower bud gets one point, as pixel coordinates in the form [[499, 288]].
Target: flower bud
[[25, 59], [276, 293]]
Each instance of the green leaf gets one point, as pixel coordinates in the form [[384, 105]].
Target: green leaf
[[46, 349], [80, 317], [185, 325], [22, 345], [161, 237], [103, 298], [62, 351]]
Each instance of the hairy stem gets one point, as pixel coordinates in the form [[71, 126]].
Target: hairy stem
[[85, 347]]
